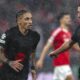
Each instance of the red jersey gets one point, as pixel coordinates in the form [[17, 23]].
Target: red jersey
[[58, 37]]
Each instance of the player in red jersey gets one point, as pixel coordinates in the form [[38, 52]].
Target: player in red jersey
[[62, 70], [75, 40]]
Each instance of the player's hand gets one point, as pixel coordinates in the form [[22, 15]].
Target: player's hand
[[34, 76], [53, 54], [16, 65], [39, 64]]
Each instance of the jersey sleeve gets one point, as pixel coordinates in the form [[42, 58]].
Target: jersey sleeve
[[51, 38], [36, 41], [4, 40], [53, 35]]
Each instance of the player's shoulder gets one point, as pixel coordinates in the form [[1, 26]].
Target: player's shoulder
[[35, 33], [65, 30], [56, 31], [7, 33], [10, 30]]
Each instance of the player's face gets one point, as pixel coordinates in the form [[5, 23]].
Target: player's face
[[67, 20], [26, 20], [78, 13]]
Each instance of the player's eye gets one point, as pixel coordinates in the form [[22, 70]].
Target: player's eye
[[27, 18]]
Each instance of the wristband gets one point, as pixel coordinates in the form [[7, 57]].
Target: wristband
[[7, 61], [33, 67]]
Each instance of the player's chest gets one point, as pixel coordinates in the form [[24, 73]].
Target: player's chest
[[61, 36], [23, 41]]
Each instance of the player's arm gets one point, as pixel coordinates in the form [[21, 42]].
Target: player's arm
[[33, 69], [40, 62], [76, 47], [13, 64], [3, 59], [67, 45], [33, 58], [45, 51], [33, 61]]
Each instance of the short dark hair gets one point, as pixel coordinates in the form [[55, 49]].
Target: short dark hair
[[21, 12], [61, 15]]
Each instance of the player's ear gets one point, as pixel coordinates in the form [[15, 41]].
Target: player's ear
[[19, 20]]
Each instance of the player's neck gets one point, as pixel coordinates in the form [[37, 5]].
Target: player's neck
[[23, 31], [64, 26]]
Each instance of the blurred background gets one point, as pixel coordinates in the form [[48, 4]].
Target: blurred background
[[44, 21]]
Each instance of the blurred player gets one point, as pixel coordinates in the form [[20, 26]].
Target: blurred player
[[16, 46], [75, 40], [62, 70]]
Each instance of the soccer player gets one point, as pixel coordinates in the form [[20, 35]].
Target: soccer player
[[17, 45], [75, 40], [62, 70]]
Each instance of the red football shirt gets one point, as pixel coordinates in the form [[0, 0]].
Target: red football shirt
[[57, 38]]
